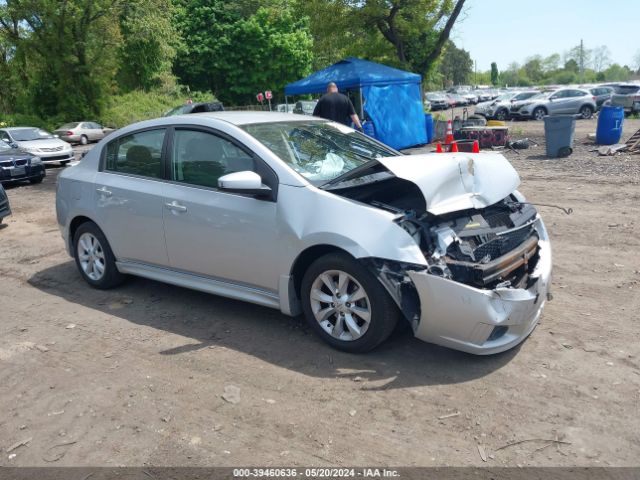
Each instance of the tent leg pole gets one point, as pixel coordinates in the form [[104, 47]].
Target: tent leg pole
[[361, 107]]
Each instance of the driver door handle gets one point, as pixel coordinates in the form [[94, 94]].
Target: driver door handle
[[175, 206]]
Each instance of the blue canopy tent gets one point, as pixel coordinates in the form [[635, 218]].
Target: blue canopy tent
[[391, 97]]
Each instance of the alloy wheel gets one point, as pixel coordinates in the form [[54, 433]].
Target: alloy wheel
[[91, 256], [340, 305]]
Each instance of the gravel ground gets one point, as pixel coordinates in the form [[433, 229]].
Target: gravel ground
[[137, 375]]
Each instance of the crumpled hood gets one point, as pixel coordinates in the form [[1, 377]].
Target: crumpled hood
[[456, 181]]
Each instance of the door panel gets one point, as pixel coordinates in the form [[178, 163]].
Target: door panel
[[128, 197], [129, 210], [221, 235], [215, 233]]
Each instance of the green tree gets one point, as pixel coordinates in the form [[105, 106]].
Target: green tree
[[417, 29], [456, 66], [66, 52], [235, 52], [494, 74], [533, 69], [149, 42]]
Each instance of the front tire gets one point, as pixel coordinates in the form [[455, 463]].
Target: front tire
[[538, 113], [346, 305], [502, 115], [94, 257], [34, 181]]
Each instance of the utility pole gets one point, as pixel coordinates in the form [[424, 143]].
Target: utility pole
[[475, 75], [581, 61]]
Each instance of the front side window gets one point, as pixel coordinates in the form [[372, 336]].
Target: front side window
[[319, 151], [201, 158], [137, 154]]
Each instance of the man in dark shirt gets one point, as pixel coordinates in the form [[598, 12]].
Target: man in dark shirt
[[337, 107]]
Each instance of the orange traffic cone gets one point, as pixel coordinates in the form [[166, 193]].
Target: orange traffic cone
[[476, 147], [454, 147], [438, 147], [449, 136]]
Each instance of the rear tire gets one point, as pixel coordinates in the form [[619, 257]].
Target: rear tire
[[83, 140], [586, 112], [34, 181], [356, 314], [94, 258]]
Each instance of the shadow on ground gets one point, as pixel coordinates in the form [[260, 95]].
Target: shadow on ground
[[209, 320]]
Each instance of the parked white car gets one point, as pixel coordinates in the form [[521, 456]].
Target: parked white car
[[306, 215], [38, 142], [82, 132]]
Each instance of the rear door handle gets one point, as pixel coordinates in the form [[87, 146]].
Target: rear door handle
[[103, 191], [175, 206]]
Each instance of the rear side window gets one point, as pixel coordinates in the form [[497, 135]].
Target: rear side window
[[627, 89], [201, 158], [137, 154]]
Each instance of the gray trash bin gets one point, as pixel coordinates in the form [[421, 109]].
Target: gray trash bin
[[558, 134]]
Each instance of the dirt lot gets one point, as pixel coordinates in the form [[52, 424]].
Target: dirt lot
[[135, 376]]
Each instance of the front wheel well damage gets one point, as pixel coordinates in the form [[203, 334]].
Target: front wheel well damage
[[395, 279]]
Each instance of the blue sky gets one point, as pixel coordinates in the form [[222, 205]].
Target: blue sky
[[505, 31]]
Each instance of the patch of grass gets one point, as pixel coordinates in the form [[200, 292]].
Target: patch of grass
[[136, 106]]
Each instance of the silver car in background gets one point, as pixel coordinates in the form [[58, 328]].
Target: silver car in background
[[81, 132], [38, 142], [309, 216], [498, 109], [564, 101]]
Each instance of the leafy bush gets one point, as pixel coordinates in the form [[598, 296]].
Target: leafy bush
[[122, 110], [24, 120]]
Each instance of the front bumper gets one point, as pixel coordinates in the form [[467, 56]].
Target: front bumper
[[480, 321], [27, 172], [55, 157]]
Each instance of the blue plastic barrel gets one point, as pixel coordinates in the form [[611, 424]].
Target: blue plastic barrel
[[428, 120], [369, 129], [610, 122]]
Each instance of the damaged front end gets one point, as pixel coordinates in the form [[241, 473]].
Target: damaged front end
[[486, 279], [487, 255]]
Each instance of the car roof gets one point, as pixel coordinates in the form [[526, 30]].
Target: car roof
[[21, 128], [248, 117]]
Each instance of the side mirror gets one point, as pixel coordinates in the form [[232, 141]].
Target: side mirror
[[14, 145], [244, 182]]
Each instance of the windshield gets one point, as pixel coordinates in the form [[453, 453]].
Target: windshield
[[319, 151], [28, 134], [69, 126], [505, 96]]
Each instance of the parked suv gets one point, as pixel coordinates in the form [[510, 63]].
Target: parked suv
[[602, 94], [499, 108], [438, 101], [627, 96], [563, 101]]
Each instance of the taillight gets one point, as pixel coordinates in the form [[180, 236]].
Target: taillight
[[69, 133], [594, 98]]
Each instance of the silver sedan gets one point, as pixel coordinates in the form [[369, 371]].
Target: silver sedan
[[308, 216]]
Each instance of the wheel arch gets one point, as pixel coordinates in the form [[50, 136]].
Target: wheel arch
[[75, 224], [304, 260]]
